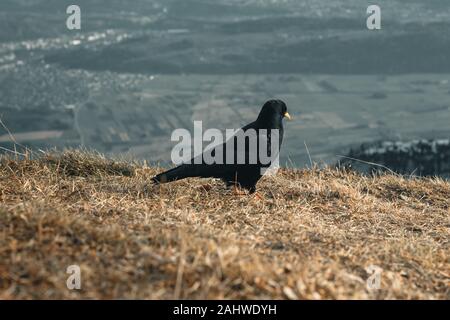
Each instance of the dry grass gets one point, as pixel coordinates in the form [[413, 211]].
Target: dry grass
[[312, 236]]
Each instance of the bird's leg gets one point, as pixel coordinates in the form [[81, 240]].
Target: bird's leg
[[237, 188], [237, 191]]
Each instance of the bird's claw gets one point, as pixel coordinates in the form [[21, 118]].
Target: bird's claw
[[258, 196], [205, 187], [238, 192]]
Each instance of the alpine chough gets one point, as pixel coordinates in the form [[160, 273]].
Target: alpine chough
[[243, 170]]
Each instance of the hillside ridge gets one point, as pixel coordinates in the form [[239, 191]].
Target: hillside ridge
[[313, 235]]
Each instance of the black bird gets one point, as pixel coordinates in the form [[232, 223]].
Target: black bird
[[246, 174]]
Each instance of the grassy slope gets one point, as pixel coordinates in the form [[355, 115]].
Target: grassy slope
[[312, 236]]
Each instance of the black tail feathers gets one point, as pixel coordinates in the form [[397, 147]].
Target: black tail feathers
[[174, 174]]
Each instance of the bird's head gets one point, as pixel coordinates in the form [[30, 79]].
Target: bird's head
[[274, 109]]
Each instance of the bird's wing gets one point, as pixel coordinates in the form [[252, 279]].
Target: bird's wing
[[197, 167]]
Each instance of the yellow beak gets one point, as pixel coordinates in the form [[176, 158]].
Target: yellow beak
[[287, 115]]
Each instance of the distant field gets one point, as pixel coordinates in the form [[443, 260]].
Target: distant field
[[313, 234], [332, 113], [136, 114], [33, 135]]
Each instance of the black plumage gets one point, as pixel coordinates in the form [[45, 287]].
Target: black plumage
[[245, 175]]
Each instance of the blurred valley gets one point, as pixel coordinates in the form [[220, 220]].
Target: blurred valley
[[139, 69]]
